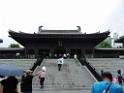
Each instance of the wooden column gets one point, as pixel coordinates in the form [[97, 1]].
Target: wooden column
[[52, 52], [83, 54], [36, 52]]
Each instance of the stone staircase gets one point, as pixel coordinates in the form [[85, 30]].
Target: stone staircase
[[107, 64], [73, 76], [21, 63]]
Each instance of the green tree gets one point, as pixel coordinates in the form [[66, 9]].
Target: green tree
[[104, 44], [14, 46]]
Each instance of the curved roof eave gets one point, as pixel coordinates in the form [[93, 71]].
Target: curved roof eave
[[22, 37], [15, 34]]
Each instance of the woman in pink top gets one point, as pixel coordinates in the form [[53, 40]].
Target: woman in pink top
[[42, 75]]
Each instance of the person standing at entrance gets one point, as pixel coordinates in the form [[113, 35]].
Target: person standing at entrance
[[60, 62]]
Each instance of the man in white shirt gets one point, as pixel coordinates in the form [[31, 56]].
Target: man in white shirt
[[60, 62]]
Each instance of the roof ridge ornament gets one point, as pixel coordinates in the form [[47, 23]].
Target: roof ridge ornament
[[79, 28], [40, 28], [10, 30]]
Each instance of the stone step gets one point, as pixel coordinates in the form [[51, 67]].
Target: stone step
[[62, 91], [72, 76], [21, 63], [107, 64], [61, 88]]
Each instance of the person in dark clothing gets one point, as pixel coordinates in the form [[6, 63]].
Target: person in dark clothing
[[26, 85], [102, 72], [119, 77], [9, 85], [22, 83]]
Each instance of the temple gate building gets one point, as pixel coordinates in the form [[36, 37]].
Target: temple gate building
[[58, 42], [120, 40]]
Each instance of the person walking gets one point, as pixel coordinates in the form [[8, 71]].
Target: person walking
[[42, 74], [102, 72], [119, 77], [9, 85], [106, 86], [60, 62]]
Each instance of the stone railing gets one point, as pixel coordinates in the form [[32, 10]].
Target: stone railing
[[92, 69]]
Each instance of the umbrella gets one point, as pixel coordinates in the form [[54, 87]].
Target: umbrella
[[10, 70]]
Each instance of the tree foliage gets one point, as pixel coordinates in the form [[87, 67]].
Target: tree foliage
[[104, 44], [14, 46]]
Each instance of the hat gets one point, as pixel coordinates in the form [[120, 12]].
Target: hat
[[43, 68]]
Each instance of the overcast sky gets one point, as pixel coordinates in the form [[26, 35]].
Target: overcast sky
[[91, 15]]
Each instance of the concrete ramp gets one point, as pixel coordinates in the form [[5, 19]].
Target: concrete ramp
[[72, 78]]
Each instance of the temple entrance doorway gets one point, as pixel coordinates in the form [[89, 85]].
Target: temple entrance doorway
[[44, 52], [75, 51], [59, 51]]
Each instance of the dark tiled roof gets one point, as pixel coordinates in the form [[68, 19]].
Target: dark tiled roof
[[59, 32], [11, 49], [44, 31], [58, 35], [120, 40], [23, 38]]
